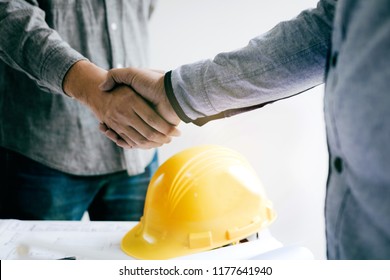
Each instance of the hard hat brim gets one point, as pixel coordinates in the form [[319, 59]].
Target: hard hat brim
[[135, 245]]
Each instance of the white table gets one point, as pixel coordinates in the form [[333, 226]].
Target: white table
[[101, 240]]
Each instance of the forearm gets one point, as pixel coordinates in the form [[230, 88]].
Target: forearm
[[287, 60], [29, 45]]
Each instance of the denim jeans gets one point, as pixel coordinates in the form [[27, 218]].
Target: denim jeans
[[32, 191]]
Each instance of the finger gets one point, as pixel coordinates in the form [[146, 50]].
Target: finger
[[113, 136], [151, 125], [173, 131], [123, 144], [138, 140], [135, 138], [144, 119], [161, 129], [122, 138], [141, 141], [103, 127], [110, 134]]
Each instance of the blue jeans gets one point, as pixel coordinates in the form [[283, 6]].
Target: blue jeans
[[32, 191]]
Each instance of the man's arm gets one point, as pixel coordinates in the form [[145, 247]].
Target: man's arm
[[287, 60], [29, 45]]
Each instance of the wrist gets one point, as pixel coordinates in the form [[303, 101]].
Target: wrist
[[171, 99], [80, 76], [165, 108]]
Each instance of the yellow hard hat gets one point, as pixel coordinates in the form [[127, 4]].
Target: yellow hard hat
[[199, 199]]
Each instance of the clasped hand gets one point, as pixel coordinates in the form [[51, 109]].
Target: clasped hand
[[130, 104]]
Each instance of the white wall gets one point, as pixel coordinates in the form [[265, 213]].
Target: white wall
[[285, 142]]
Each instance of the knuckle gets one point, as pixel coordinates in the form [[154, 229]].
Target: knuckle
[[112, 135], [152, 135], [151, 120], [143, 142]]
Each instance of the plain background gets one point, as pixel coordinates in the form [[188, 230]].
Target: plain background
[[285, 141]]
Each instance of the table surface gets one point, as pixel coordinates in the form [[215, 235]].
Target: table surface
[[101, 240]]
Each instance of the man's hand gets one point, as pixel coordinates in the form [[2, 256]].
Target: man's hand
[[148, 83], [135, 123]]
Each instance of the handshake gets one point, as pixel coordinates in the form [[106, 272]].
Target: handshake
[[130, 104]]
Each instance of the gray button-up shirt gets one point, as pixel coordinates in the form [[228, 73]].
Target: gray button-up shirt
[[39, 42], [291, 58]]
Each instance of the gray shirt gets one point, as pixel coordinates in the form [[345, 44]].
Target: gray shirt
[[347, 44], [39, 42]]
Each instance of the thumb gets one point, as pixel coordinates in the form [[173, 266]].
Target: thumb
[[116, 76]]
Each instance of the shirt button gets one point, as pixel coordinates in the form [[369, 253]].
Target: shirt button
[[338, 164], [114, 26]]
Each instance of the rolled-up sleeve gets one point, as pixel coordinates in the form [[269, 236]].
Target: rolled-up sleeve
[[29, 45], [285, 61]]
